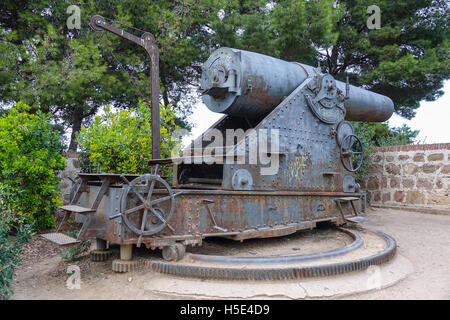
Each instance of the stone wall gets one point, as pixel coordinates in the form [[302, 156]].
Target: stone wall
[[72, 168], [417, 175]]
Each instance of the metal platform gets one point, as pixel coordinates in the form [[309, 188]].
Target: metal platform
[[59, 238], [357, 219], [77, 209]]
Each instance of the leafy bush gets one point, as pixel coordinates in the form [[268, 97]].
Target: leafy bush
[[30, 155], [72, 254], [14, 232], [121, 142], [380, 135]]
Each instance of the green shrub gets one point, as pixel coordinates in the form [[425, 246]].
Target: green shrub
[[72, 254], [375, 134], [30, 155], [14, 232], [121, 142]]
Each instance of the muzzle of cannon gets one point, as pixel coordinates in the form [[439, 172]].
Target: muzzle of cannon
[[249, 84]]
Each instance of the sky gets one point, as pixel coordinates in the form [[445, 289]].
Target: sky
[[432, 120]]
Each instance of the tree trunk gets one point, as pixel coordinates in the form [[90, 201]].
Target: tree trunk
[[76, 127], [164, 93]]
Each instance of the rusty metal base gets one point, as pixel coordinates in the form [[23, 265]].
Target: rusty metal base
[[274, 271], [100, 255], [124, 265]]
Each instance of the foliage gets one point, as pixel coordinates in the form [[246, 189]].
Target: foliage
[[121, 141], [407, 59], [29, 158], [374, 134], [72, 73], [72, 254], [14, 232]]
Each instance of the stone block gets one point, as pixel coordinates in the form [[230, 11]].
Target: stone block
[[386, 197], [384, 182], [415, 197], [408, 183], [423, 183], [419, 157], [395, 182], [376, 196], [392, 168], [373, 183], [376, 169], [438, 199], [410, 169], [399, 196], [436, 157], [445, 169], [389, 158], [403, 157], [429, 168]]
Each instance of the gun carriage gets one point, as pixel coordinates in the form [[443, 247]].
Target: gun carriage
[[296, 114]]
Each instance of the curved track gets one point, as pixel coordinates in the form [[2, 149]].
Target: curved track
[[357, 243], [235, 271]]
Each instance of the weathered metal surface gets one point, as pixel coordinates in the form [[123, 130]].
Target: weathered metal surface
[[148, 42], [244, 83], [278, 272], [302, 107], [282, 260], [59, 238], [203, 213]]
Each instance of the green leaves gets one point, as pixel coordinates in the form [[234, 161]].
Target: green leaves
[[14, 232], [120, 142], [73, 73], [29, 160], [406, 59], [375, 134]]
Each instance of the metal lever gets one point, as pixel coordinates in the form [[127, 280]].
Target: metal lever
[[347, 90]]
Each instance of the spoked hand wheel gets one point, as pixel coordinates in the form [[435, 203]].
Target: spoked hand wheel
[[138, 199], [351, 146]]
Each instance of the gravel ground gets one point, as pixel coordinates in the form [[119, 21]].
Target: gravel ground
[[423, 239]]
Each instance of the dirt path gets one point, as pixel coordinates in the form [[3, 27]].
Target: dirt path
[[423, 239]]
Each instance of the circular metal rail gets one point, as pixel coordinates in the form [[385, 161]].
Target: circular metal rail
[[357, 243], [278, 273]]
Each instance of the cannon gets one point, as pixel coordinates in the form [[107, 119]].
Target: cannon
[[281, 159]]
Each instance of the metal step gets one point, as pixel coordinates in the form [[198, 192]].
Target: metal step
[[77, 209], [348, 199], [357, 219], [59, 238]]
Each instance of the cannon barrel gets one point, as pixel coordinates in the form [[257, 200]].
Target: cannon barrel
[[250, 84]]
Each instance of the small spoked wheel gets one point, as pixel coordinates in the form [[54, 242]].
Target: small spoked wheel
[[144, 212], [352, 152]]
